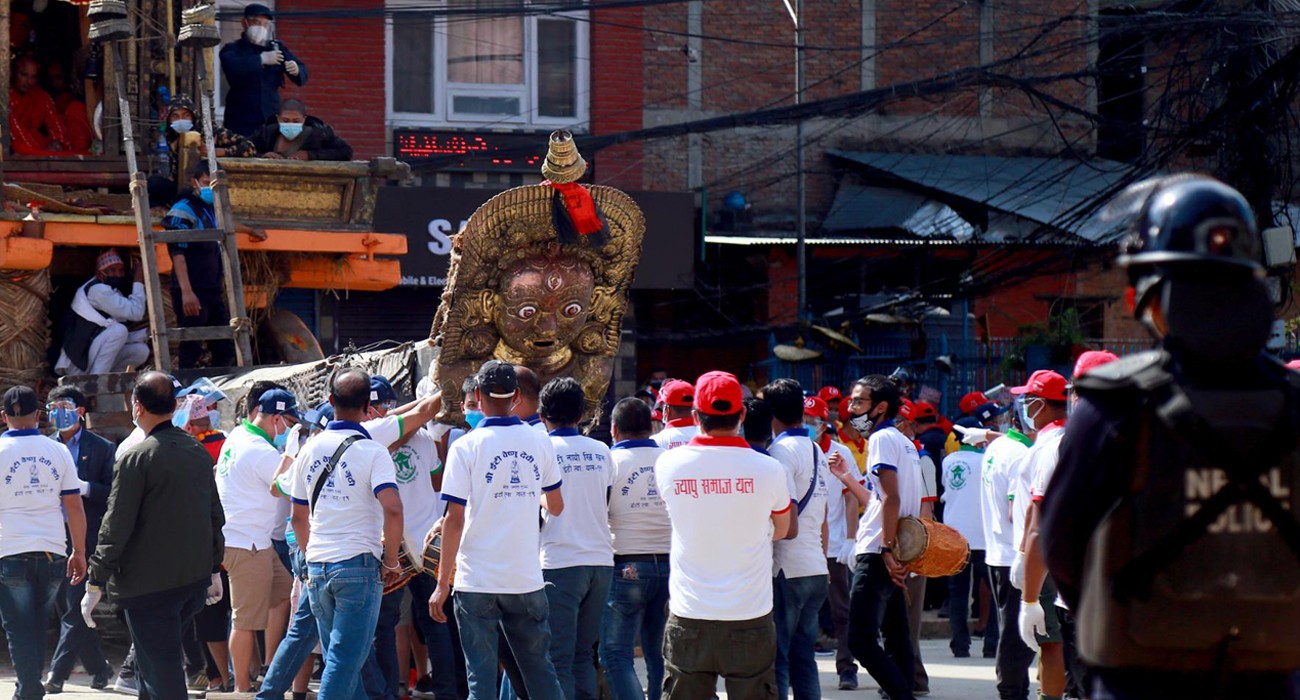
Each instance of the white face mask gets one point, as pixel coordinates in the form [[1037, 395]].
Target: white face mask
[[1027, 416], [258, 34]]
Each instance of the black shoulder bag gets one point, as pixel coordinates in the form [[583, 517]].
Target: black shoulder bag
[[328, 471]]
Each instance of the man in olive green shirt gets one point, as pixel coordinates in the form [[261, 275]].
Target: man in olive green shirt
[[160, 545]]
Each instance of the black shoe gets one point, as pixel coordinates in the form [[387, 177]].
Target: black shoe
[[990, 655], [53, 687], [848, 681], [964, 654], [101, 679]]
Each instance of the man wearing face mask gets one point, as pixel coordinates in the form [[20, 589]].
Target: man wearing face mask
[[93, 456], [296, 135], [184, 131], [1044, 408], [160, 546], [877, 604], [255, 68], [96, 337], [259, 584], [1170, 523], [197, 274]]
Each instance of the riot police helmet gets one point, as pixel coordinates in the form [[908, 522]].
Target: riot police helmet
[[1191, 219]]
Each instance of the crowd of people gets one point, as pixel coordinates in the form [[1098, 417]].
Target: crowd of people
[[725, 534], [518, 558]]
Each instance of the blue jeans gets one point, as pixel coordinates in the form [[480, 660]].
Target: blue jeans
[[298, 644], [482, 617], [797, 604], [638, 602], [28, 584], [577, 596], [157, 623], [76, 640], [437, 639], [390, 613], [345, 600]]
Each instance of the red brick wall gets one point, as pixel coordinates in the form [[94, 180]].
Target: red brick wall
[[346, 62], [617, 92]]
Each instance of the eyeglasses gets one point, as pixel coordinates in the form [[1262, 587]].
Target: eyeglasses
[[858, 402]]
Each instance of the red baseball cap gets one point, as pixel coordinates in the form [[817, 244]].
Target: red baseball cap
[[676, 392], [1091, 359], [844, 408], [907, 409], [1293, 364], [830, 394], [972, 401], [923, 409], [718, 394], [1045, 384], [816, 407]]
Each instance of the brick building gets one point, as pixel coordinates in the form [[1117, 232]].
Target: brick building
[[977, 87]]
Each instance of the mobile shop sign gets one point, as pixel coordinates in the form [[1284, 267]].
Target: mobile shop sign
[[430, 216]]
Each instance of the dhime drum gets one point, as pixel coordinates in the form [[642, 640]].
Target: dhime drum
[[409, 569], [929, 548]]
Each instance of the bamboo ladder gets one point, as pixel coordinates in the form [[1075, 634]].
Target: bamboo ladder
[[239, 328]]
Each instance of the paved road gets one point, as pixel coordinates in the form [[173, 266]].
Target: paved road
[[950, 679]]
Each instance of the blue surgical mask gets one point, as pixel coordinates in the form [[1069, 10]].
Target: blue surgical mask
[[290, 131], [182, 126], [814, 429], [281, 439], [473, 418], [205, 194], [63, 418]]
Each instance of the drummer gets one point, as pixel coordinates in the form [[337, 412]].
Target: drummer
[[877, 603], [259, 583]]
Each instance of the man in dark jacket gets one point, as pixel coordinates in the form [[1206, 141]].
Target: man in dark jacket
[[93, 456], [297, 136], [160, 546], [197, 273], [255, 68]]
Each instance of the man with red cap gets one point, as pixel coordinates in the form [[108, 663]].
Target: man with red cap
[[677, 398], [1044, 407], [96, 339], [727, 503], [841, 520], [831, 396], [1035, 566]]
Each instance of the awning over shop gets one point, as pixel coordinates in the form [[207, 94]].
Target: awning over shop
[[1046, 198], [861, 207]]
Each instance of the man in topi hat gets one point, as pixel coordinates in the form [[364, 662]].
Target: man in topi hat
[[96, 338]]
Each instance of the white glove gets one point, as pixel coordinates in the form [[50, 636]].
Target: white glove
[[89, 600], [846, 556], [972, 436], [1033, 619], [294, 442], [291, 67], [274, 57], [214, 590], [84, 486], [1018, 571]]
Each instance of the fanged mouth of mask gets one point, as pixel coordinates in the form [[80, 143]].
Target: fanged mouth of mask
[[543, 344]]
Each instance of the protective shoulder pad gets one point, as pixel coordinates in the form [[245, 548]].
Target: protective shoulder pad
[[1141, 372]]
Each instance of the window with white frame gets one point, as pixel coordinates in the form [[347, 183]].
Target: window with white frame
[[486, 62]]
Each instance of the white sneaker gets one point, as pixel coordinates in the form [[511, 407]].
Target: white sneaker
[[129, 686]]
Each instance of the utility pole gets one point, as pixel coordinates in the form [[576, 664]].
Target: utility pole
[[801, 220]]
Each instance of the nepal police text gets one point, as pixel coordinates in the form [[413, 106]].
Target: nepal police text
[[1240, 518]]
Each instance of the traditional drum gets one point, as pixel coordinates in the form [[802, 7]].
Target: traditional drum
[[409, 569], [433, 556], [929, 548]]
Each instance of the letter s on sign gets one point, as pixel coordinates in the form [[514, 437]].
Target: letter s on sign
[[440, 232]]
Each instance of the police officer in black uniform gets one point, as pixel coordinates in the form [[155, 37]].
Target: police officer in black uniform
[[1170, 525]]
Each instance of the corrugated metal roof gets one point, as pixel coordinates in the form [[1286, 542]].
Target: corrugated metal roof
[[1056, 192], [865, 208]]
